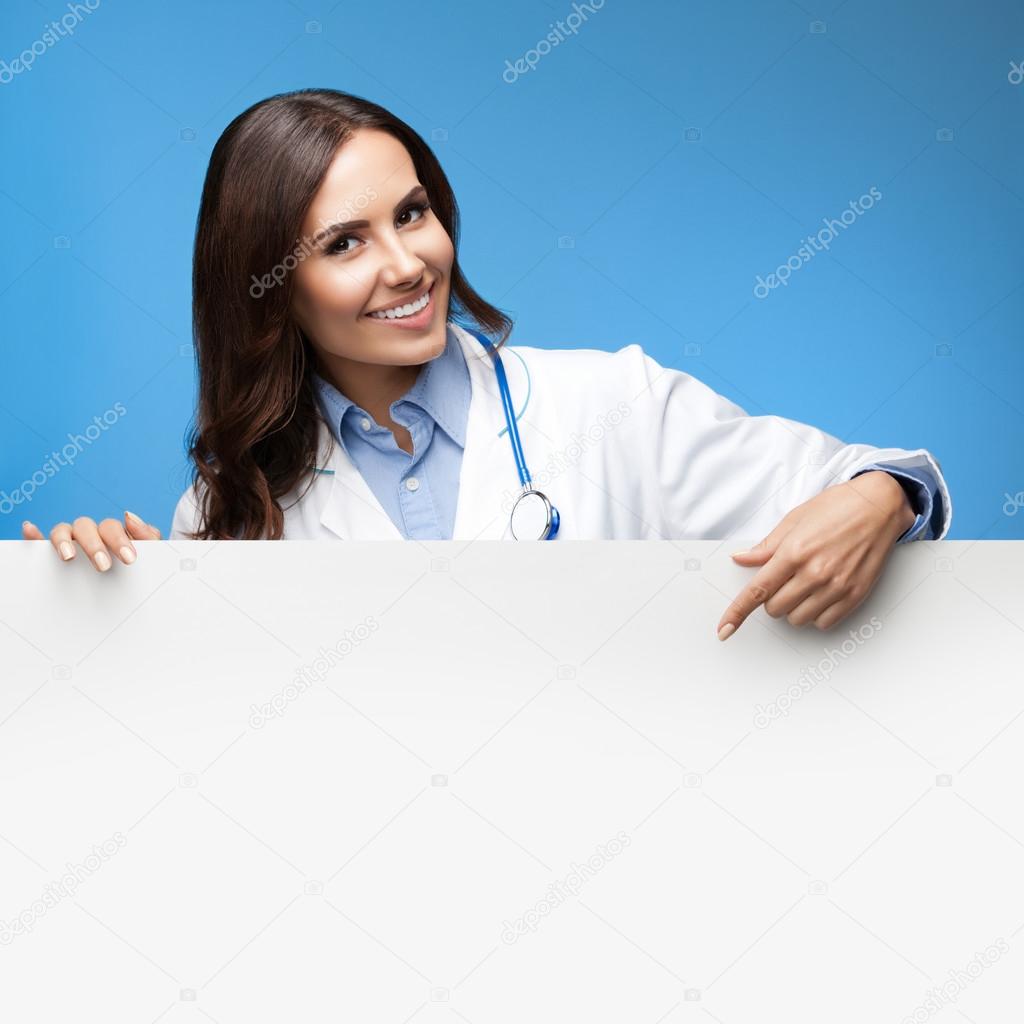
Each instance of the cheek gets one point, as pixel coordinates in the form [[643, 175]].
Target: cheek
[[327, 290], [440, 249]]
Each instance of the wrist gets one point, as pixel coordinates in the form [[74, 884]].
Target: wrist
[[886, 490]]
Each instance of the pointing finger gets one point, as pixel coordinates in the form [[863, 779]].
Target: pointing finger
[[768, 579]]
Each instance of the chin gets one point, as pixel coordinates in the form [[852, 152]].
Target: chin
[[438, 340]]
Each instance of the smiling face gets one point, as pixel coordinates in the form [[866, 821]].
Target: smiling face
[[375, 245]]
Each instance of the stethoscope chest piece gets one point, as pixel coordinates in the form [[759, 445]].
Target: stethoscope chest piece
[[533, 517]]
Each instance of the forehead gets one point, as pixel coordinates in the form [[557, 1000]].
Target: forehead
[[369, 163]]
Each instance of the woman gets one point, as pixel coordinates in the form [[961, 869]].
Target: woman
[[341, 394]]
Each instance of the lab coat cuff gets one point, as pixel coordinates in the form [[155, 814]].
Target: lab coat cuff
[[920, 486], [918, 465]]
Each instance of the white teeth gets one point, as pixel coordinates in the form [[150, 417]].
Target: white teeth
[[397, 312]]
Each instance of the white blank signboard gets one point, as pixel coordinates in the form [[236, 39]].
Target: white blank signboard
[[495, 783]]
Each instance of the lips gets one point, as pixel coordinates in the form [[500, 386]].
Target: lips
[[398, 305]]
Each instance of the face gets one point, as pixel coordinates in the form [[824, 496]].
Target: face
[[375, 245]]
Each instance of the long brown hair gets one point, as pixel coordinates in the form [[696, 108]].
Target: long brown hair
[[255, 432]]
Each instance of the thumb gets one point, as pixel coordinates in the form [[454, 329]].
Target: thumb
[[138, 529], [757, 555]]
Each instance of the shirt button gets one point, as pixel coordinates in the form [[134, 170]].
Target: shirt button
[[364, 423], [412, 484]]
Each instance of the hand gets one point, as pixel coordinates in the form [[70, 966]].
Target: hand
[[823, 558], [95, 540]]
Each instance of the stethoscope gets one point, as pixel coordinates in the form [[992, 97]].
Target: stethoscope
[[533, 517]]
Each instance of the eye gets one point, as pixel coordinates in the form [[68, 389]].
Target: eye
[[417, 208], [420, 209], [334, 249]]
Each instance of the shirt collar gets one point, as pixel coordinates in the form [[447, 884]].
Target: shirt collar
[[442, 390]]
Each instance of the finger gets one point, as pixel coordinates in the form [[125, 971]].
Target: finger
[[767, 581], [838, 611], [60, 538], [757, 555], [29, 531], [114, 535], [791, 595], [768, 545], [86, 533], [814, 605], [835, 613], [139, 528]]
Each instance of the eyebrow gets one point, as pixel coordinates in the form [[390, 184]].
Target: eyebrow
[[351, 225]]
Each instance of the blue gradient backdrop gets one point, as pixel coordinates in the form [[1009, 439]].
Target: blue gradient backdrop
[[630, 188]]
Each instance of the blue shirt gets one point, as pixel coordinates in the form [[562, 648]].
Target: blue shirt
[[419, 492]]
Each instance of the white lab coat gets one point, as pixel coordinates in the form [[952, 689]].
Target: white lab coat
[[625, 449]]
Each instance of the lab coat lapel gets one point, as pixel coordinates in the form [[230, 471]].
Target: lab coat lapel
[[351, 510]]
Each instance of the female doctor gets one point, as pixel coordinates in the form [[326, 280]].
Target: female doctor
[[343, 394]]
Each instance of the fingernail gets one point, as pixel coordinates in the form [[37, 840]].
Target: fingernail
[[67, 550], [102, 560], [726, 631], [134, 518], [736, 553], [127, 554]]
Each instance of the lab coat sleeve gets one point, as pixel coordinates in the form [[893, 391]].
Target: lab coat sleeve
[[723, 474]]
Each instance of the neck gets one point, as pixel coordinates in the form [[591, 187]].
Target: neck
[[371, 386]]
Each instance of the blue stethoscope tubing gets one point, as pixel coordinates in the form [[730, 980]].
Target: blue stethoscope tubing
[[533, 506]]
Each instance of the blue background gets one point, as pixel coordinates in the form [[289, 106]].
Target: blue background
[[630, 188]]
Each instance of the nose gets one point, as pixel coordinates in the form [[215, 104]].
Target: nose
[[400, 266]]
